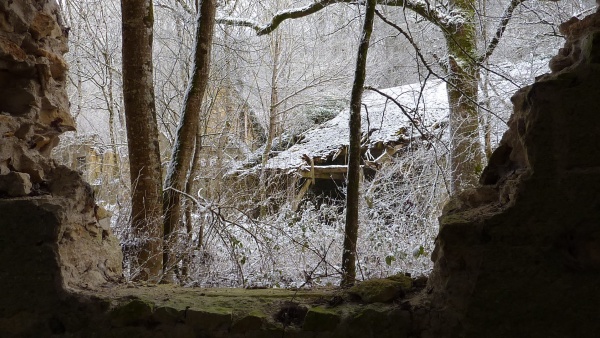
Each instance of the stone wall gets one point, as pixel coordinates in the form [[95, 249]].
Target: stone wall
[[52, 238], [520, 255]]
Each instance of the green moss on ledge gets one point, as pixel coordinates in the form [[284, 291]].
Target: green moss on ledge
[[381, 290], [192, 312], [319, 319], [132, 313]]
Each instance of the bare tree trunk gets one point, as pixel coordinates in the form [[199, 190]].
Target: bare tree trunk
[[142, 135], [111, 105], [189, 206], [486, 117], [352, 195], [466, 158], [272, 127], [183, 148]]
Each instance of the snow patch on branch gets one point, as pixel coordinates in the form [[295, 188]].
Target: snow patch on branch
[[257, 26]]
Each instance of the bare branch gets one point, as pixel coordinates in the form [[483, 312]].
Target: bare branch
[[186, 7], [410, 40], [422, 8], [181, 3], [403, 109], [280, 17], [508, 12], [163, 6], [240, 23], [428, 67]]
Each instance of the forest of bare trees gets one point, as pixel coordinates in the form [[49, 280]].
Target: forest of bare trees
[[205, 127]]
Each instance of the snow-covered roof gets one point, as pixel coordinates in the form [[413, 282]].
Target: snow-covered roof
[[426, 104]]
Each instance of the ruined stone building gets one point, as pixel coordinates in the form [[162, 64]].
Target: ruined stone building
[[230, 125], [230, 132], [96, 162]]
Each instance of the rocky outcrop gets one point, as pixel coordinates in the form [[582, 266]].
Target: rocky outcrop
[[520, 255], [50, 235], [34, 107]]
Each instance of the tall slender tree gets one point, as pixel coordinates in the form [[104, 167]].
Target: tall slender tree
[[142, 135], [272, 120], [352, 195], [185, 139]]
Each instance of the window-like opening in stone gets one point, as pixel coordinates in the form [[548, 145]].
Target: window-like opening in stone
[[274, 217], [81, 163]]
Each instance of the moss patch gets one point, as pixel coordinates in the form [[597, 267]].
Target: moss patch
[[209, 319], [195, 312], [377, 290], [168, 315], [135, 312], [406, 282], [366, 321], [251, 322], [320, 319]]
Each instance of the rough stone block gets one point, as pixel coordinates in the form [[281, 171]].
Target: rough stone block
[[377, 290], [211, 319], [15, 184], [135, 312], [367, 322], [44, 25], [406, 282], [319, 319], [168, 315], [250, 322]]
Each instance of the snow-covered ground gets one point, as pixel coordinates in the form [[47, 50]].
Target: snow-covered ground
[[379, 113]]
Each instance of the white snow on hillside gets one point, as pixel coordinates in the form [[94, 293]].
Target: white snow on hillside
[[383, 115]]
